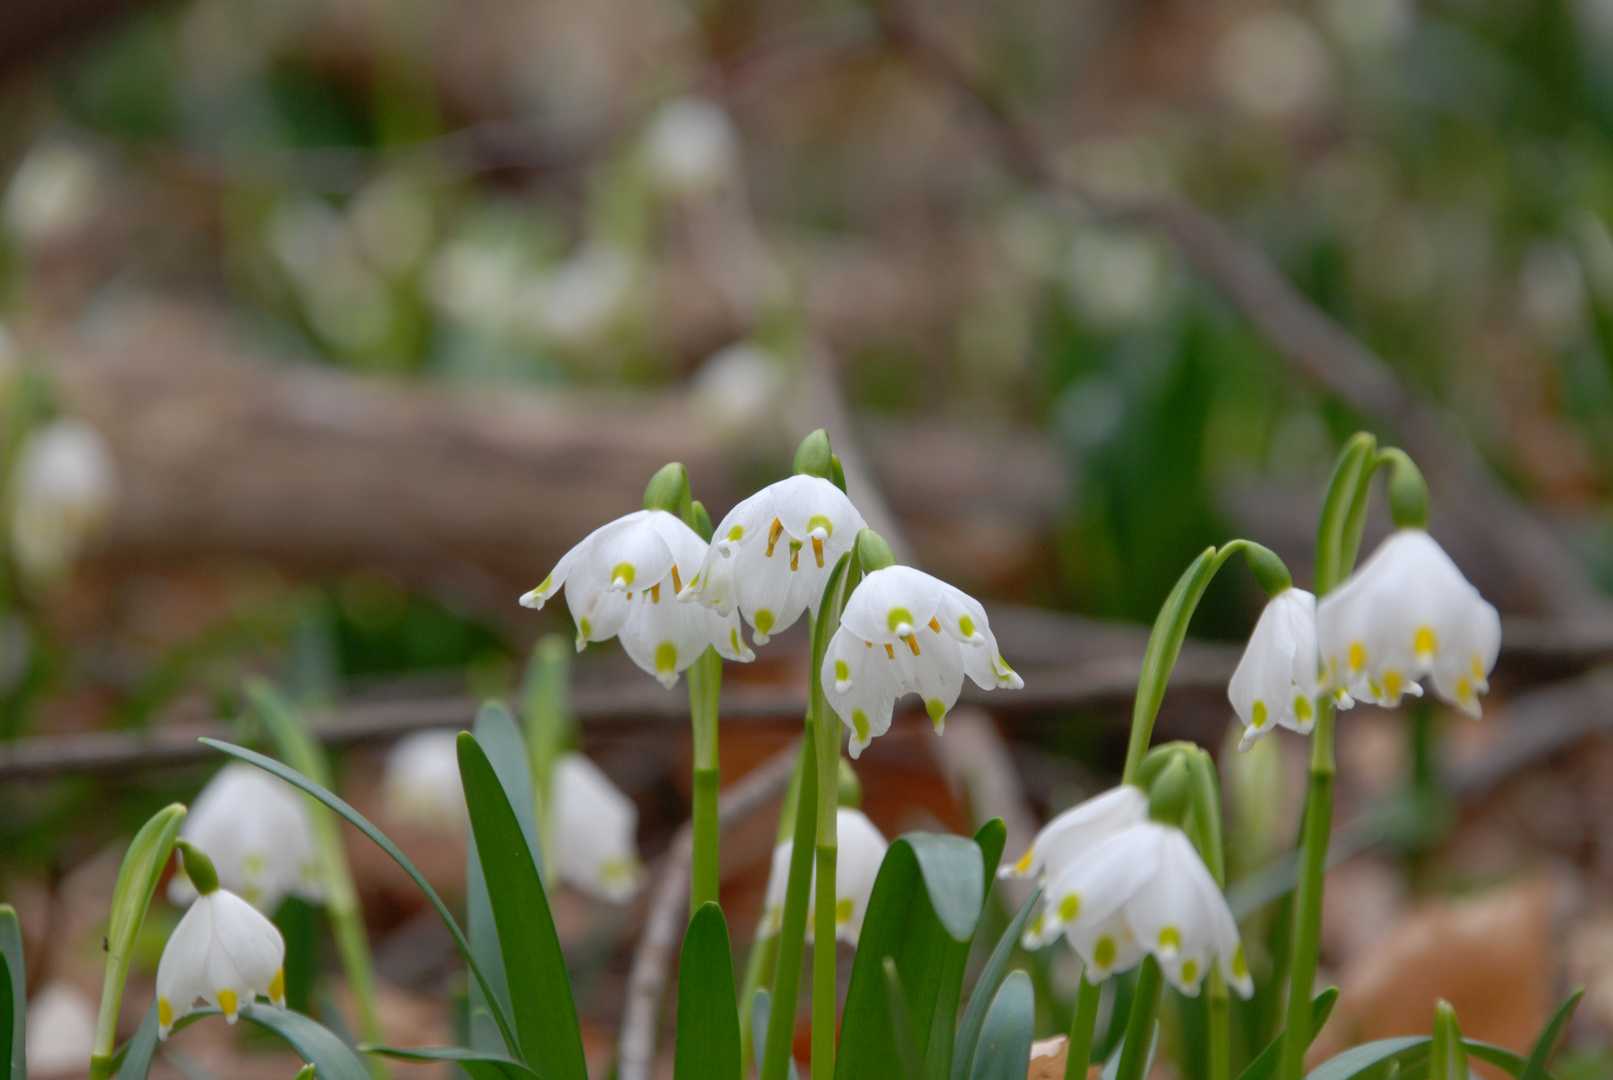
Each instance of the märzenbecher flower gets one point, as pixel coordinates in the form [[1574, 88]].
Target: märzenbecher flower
[[1277, 680]]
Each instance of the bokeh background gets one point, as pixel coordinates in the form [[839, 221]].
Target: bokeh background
[[331, 324]]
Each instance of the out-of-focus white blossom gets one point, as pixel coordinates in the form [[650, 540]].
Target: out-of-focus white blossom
[[54, 192], [739, 389], [861, 851], [422, 784], [1116, 277], [63, 489], [255, 829], [1273, 65], [579, 303], [691, 148], [60, 1031], [1277, 679], [595, 830]]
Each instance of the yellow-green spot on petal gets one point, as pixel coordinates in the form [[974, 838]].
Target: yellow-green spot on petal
[[1170, 938], [666, 656], [226, 1002], [1302, 707], [1376, 687], [1240, 964], [277, 987], [548, 582], [736, 532], [1070, 907], [859, 724], [1464, 690], [1105, 951], [818, 521], [764, 621], [1392, 684], [1259, 713], [622, 573], [1478, 666], [842, 672], [1036, 924], [898, 616], [937, 710], [1358, 656], [733, 639], [165, 1013], [1425, 642], [1024, 862], [1190, 971], [843, 910], [966, 626]]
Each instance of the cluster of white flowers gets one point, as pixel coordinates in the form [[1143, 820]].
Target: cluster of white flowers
[[1407, 614], [1120, 886]]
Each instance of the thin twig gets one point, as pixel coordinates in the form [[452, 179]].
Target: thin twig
[[668, 909]]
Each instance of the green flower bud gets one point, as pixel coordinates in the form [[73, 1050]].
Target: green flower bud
[[1408, 491], [198, 867], [814, 456], [668, 489], [872, 551], [837, 473], [1270, 572], [700, 520], [1170, 795]]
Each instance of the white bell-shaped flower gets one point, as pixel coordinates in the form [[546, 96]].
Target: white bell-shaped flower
[[1405, 614], [861, 852], [771, 556], [1144, 890], [1070, 835], [255, 828], [226, 953], [904, 632], [60, 1031], [622, 581], [422, 784], [1278, 678], [65, 485], [595, 830]]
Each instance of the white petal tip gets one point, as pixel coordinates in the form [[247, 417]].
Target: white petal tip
[[532, 600], [842, 685], [856, 748], [759, 637], [667, 679]]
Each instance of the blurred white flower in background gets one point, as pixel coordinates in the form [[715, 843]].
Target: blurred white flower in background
[[862, 850], [422, 784], [595, 830], [739, 390], [63, 487], [1273, 65], [60, 1031], [1552, 290], [394, 222], [578, 303], [691, 148], [255, 828], [480, 284], [1370, 24], [54, 192], [1116, 277], [344, 298]]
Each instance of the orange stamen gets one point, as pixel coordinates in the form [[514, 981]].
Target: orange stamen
[[773, 534], [935, 625], [677, 586], [890, 652], [913, 643], [817, 550]]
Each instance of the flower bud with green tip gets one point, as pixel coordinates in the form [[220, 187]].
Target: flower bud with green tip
[[1170, 794], [668, 489], [1408, 491], [815, 457], [1447, 1057]]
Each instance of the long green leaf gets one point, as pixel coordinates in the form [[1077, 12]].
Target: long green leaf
[[1551, 1036], [317, 1045], [1004, 1050], [480, 1064], [13, 996], [761, 1011], [707, 1041], [991, 976], [1411, 1052], [540, 991], [1264, 1067], [990, 839], [923, 911], [363, 825], [907, 1050]]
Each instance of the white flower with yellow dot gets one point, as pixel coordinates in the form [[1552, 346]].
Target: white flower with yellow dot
[[256, 830], [1276, 682], [223, 951], [861, 848], [1076, 831], [1406, 614], [595, 830], [772, 555], [422, 784], [622, 581], [904, 632]]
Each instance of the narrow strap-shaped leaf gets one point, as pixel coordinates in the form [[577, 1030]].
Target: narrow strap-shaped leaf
[[1004, 1050], [544, 1011], [1358, 1059], [761, 1011], [331, 1057], [1498, 1056], [990, 839], [1447, 1057], [363, 825], [1264, 1067], [707, 1041], [907, 1051], [1551, 1036], [986, 985], [13, 1021], [480, 1064], [954, 876]]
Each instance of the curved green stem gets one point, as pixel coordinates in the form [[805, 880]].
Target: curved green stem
[[705, 688], [1078, 1053]]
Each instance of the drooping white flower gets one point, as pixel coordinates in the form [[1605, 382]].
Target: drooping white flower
[[64, 486], [60, 1032], [255, 828], [903, 632], [861, 851], [422, 784], [224, 952], [771, 556], [691, 148], [595, 830], [622, 581], [1278, 678], [1405, 614], [1144, 890], [56, 190], [1078, 830]]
